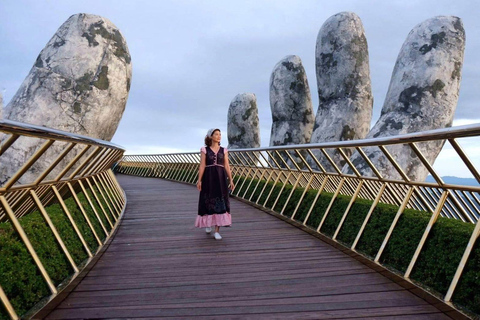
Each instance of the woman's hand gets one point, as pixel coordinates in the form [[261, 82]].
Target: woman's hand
[[232, 186], [199, 185]]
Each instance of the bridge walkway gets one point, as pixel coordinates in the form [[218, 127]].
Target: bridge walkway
[[160, 266]]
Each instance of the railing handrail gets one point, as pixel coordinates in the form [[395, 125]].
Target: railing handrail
[[40, 172], [464, 131], [32, 130], [382, 170]]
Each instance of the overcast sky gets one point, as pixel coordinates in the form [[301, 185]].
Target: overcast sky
[[190, 58]]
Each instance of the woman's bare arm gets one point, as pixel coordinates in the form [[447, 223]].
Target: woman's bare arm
[[229, 173], [201, 169]]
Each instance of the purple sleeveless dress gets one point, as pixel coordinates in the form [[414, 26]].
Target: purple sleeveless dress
[[214, 204]]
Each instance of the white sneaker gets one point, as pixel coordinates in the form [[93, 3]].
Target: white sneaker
[[217, 236], [208, 230]]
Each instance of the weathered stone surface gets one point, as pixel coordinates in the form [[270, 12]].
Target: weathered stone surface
[[79, 83], [343, 83], [291, 103], [422, 95], [243, 126]]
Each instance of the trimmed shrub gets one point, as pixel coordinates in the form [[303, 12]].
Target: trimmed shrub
[[438, 259], [21, 279]]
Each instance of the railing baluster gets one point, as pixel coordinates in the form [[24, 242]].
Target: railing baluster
[[394, 223], [433, 219], [8, 306], [261, 173], [18, 228]]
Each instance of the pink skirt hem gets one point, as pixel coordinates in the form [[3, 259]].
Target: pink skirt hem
[[211, 220]]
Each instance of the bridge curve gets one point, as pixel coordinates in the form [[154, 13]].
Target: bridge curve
[[158, 265]]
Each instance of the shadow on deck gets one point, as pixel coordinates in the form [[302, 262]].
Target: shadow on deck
[[158, 265]]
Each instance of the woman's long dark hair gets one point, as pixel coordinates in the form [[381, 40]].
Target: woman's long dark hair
[[208, 139]]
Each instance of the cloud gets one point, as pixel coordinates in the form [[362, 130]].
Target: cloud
[[191, 58]]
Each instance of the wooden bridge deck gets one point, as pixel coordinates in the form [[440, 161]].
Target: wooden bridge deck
[[160, 266]]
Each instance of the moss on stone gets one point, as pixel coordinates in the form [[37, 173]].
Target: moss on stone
[[348, 133], [327, 61], [102, 82], [98, 28], [77, 107], [360, 55], [436, 87], [66, 84], [435, 40], [457, 70], [83, 83], [247, 114], [387, 126], [121, 50]]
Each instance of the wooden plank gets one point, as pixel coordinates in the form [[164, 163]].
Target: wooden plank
[[159, 265]]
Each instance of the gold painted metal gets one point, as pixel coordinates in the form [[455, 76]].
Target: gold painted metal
[[107, 192], [245, 175], [394, 223], [463, 262], [55, 163], [350, 204], [369, 162], [465, 159], [281, 190], [4, 146], [263, 170], [99, 203], [96, 160], [394, 163], [337, 192], [427, 165], [18, 228], [300, 176], [254, 174], [290, 194], [93, 207], [116, 186], [334, 165], [82, 210], [265, 186], [433, 219], [19, 199], [116, 190], [54, 230], [85, 162], [367, 217], [114, 214], [314, 202], [8, 306], [302, 196], [72, 163], [110, 192], [280, 166], [28, 164]]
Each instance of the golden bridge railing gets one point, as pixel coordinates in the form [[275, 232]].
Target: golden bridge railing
[[311, 166], [79, 164]]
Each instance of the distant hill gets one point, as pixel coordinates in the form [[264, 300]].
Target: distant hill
[[456, 180]]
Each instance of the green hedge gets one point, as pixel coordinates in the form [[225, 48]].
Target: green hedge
[[437, 262], [21, 280]]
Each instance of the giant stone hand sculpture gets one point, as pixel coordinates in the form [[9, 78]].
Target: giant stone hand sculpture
[[422, 95], [79, 83], [343, 83], [291, 104], [243, 127]]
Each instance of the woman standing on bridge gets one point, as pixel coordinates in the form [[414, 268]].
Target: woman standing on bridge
[[214, 205]]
